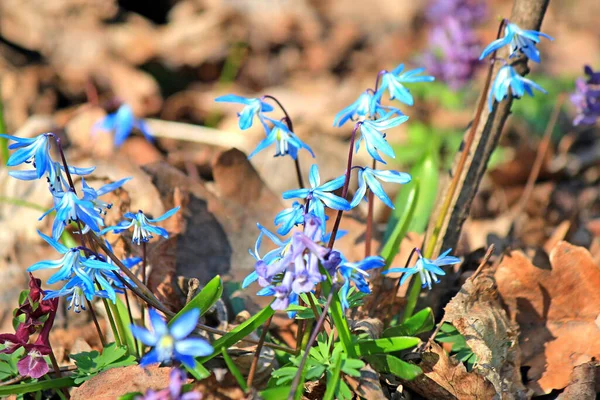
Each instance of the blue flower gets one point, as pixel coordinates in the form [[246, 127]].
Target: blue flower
[[76, 290], [394, 81], [253, 107], [368, 177], [54, 175], [372, 133], [427, 269], [90, 194], [286, 141], [72, 263], [122, 123], [142, 228], [262, 271], [508, 78], [519, 40], [362, 108], [319, 194], [356, 273], [69, 208], [31, 150], [289, 218], [172, 342]]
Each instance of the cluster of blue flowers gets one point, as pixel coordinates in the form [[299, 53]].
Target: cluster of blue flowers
[[86, 274], [303, 260], [519, 41]]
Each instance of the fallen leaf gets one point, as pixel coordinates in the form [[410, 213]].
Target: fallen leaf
[[583, 383], [555, 304]]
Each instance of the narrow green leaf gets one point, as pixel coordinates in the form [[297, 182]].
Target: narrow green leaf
[[392, 245], [339, 319], [420, 322], [121, 316], [36, 386], [276, 393], [333, 380], [389, 364], [240, 332], [199, 372], [234, 370], [204, 299], [385, 345]]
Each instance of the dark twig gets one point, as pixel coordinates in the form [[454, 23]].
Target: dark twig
[[259, 347]]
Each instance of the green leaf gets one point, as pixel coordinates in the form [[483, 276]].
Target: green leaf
[[91, 363], [385, 345], [333, 379], [37, 386], [276, 393], [392, 245], [389, 364], [204, 299], [284, 374], [339, 319], [234, 370], [427, 173], [422, 321], [240, 332], [121, 316], [131, 396]]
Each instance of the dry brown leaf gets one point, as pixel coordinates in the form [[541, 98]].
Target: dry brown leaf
[[583, 383], [445, 378], [476, 312], [555, 304]]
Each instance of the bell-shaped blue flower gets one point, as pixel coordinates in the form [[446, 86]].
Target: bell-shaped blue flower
[[374, 136], [142, 226], [289, 218], [519, 40], [355, 272], [508, 79], [92, 195], [54, 175], [31, 150], [76, 291], [171, 343], [320, 194], [367, 177], [361, 109], [394, 81], [122, 122], [286, 141], [427, 269], [263, 271], [69, 208], [253, 108], [73, 263]]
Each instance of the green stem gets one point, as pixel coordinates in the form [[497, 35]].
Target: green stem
[[22, 203], [3, 141], [113, 326]]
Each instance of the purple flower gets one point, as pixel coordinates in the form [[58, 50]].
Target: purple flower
[[586, 98], [33, 364], [465, 11], [173, 392]]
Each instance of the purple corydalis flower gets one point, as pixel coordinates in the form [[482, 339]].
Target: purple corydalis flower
[[142, 226], [176, 380], [465, 11], [586, 98], [426, 268], [172, 342], [122, 122], [368, 177], [519, 40], [33, 364], [253, 107], [509, 81]]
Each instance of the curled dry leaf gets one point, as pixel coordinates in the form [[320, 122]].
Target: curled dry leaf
[[445, 378], [477, 313], [556, 305], [583, 382]]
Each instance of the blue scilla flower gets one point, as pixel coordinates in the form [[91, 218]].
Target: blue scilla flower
[[508, 79], [319, 195], [374, 136], [122, 122], [142, 226], [367, 177], [171, 343], [286, 141], [90, 194], [73, 263], [76, 290], [519, 40], [69, 208], [31, 150], [289, 218], [361, 109], [394, 81], [54, 175], [427, 269], [356, 273], [262, 272], [253, 108]]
